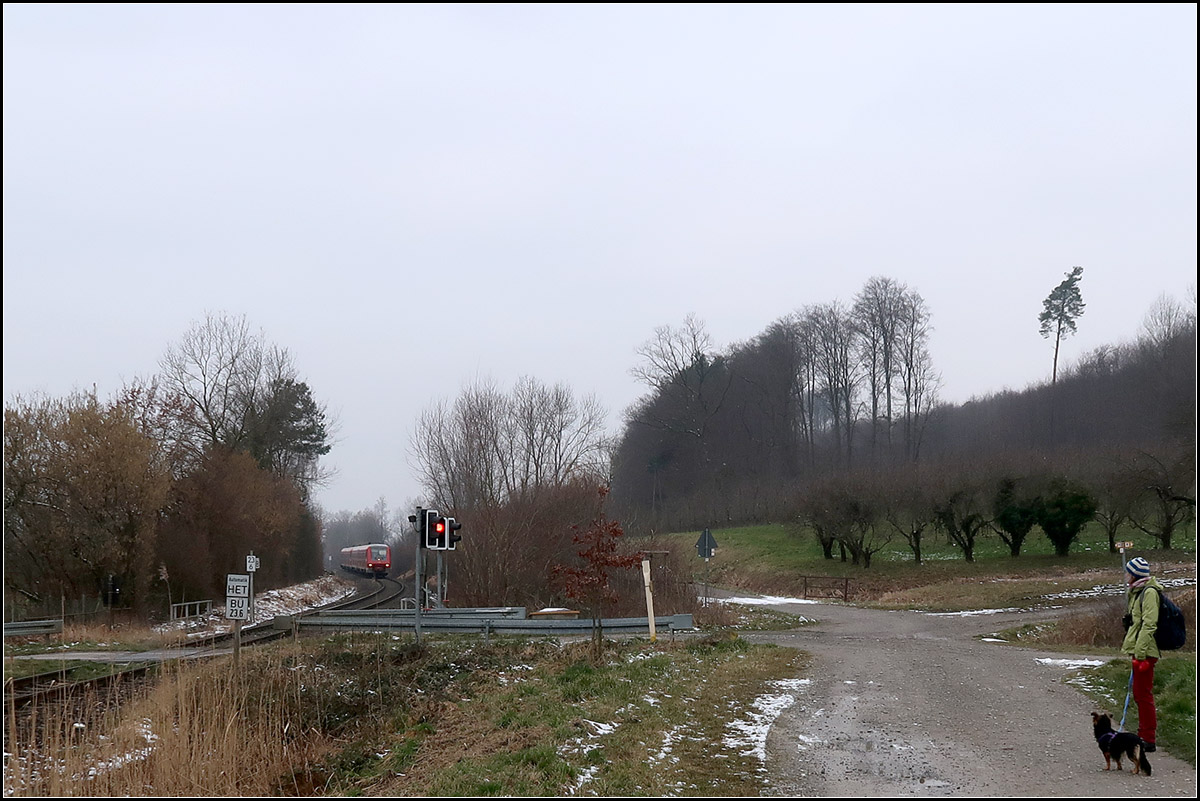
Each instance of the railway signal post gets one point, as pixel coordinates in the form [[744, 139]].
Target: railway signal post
[[435, 533], [421, 524]]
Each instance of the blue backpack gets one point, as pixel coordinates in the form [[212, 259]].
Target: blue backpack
[[1171, 631]]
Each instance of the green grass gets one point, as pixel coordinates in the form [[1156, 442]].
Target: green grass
[[1174, 700], [772, 558], [137, 640], [650, 719], [74, 669]]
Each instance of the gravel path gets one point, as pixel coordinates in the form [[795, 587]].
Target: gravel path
[[908, 703]]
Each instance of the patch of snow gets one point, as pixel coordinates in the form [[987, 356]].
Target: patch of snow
[[804, 741], [585, 776], [283, 601], [1073, 664], [972, 612], [766, 600], [669, 739], [749, 736], [1101, 590], [600, 729]]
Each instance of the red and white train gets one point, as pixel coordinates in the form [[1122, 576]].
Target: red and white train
[[371, 560]]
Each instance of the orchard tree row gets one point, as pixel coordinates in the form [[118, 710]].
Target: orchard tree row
[[861, 512], [162, 490]]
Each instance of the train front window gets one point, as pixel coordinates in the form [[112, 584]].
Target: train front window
[[378, 554]]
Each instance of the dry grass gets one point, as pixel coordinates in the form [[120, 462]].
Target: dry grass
[[715, 616], [378, 715], [201, 731], [127, 636], [1097, 627], [1100, 624]]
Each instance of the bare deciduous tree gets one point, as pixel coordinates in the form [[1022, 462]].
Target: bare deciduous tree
[[240, 391], [681, 366], [877, 312], [489, 448], [1165, 320], [1168, 491], [838, 371], [514, 469], [919, 381]]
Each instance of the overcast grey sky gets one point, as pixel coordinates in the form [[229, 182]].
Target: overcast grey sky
[[410, 198]]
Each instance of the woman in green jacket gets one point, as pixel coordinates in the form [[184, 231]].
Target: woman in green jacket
[[1142, 600]]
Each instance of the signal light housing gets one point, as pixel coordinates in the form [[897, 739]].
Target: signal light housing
[[452, 526], [433, 535]]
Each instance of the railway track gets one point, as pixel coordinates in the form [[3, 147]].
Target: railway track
[[58, 686]]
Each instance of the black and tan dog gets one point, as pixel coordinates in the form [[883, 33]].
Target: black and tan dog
[[1116, 744]]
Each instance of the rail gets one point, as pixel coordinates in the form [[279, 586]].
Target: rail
[[436, 612], [32, 628], [506, 620], [190, 609]]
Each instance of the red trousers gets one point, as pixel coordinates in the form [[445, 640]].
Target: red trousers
[[1143, 694]]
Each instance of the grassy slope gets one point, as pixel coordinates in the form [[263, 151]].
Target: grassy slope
[[775, 558]]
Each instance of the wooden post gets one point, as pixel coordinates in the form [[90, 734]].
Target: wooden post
[[237, 643], [649, 598]]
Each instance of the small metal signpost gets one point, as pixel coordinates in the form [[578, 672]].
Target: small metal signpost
[[252, 563], [705, 546], [237, 596], [1121, 546], [237, 607]]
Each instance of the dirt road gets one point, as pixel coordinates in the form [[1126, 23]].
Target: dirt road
[[907, 703]]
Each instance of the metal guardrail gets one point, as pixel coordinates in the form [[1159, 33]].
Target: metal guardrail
[[190, 609], [492, 612], [468, 621], [32, 628]]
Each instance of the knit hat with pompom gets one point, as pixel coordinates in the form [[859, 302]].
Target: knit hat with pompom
[[1137, 567]]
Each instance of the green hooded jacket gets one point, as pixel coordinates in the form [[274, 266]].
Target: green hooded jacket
[[1143, 606]]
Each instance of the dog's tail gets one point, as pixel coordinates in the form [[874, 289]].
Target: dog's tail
[[1143, 763]]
